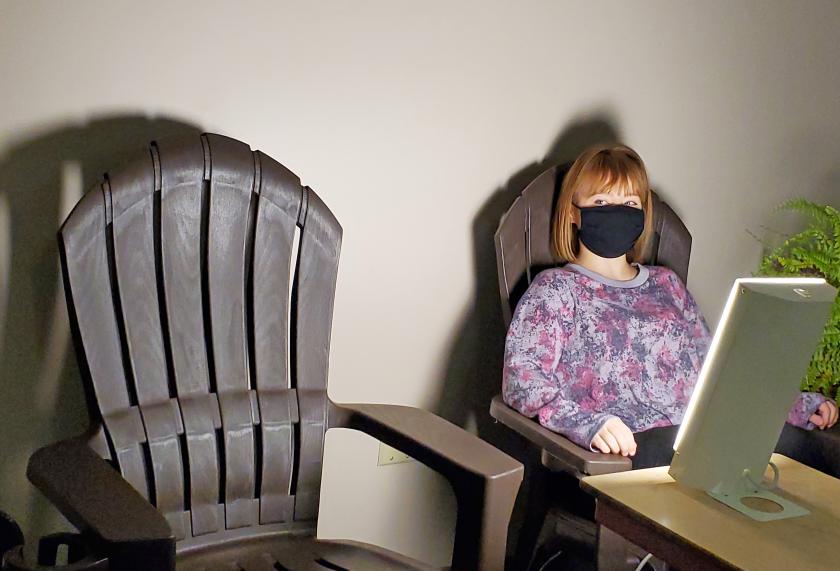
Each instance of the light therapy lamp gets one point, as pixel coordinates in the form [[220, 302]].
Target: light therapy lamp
[[750, 378]]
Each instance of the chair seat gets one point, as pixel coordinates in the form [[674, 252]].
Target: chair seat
[[295, 553]]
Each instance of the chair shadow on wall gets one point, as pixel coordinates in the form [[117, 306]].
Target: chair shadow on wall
[[42, 176], [473, 372]]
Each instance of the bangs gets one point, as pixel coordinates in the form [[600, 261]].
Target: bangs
[[612, 172]]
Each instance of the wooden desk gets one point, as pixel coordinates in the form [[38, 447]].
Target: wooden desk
[[690, 530]]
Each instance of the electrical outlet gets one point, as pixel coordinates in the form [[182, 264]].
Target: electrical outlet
[[389, 455]]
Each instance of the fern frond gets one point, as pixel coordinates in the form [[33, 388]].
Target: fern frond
[[814, 252], [826, 217]]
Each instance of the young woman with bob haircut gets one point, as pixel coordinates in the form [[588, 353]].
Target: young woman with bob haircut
[[606, 350]]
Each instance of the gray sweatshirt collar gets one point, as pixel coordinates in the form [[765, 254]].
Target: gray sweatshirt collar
[[640, 278]]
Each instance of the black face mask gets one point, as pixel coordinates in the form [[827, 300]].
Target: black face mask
[[610, 231]]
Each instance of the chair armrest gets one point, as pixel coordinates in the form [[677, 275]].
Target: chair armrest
[[560, 453], [484, 479], [103, 506]]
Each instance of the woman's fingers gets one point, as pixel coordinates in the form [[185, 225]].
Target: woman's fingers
[[614, 437], [825, 413], [625, 439], [817, 419], [632, 443], [611, 441], [828, 411], [599, 443], [629, 439]]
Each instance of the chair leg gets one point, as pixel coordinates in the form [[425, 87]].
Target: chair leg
[[536, 528], [612, 550], [616, 553]]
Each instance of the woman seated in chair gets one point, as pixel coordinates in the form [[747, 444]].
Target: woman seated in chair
[[605, 349]]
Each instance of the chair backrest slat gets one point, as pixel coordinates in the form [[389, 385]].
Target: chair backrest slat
[[320, 243], [132, 195], [281, 197], [280, 200], [231, 186], [539, 204], [87, 279], [182, 181], [671, 244], [511, 256], [232, 175]]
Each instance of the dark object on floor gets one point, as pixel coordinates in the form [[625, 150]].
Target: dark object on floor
[[10, 534], [206, 438], [78, 556]]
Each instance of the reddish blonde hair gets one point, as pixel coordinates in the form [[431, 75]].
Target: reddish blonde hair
[[601, 169]]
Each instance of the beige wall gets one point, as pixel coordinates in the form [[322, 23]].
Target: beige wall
[[415, 121]]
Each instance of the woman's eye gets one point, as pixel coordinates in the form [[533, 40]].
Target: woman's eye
[[600, 202], [630, 203]]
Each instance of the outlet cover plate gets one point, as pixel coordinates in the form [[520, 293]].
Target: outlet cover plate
[[389, 455]]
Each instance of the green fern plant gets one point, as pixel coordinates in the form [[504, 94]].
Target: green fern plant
[[814, 252]]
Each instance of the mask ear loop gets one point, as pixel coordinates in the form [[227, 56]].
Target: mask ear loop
[[576, 231]]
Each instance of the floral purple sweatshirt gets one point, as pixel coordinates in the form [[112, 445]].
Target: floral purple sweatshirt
[[583, 348]]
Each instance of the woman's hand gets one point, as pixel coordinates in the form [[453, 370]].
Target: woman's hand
[[614, 437], [826, 415]]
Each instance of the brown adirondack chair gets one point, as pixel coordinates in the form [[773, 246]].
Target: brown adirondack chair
[[205, 365], [523, 249]]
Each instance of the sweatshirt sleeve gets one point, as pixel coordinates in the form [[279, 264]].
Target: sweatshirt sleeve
[[692, 314], [806, 404], [537, 381]]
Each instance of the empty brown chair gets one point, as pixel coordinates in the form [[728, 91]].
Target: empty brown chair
[[205, 366], [523, 249]]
